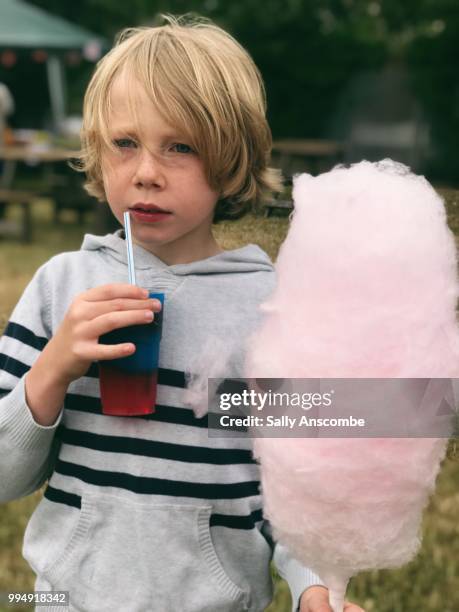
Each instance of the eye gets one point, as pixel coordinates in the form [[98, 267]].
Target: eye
[[180, 147], [124, 143]]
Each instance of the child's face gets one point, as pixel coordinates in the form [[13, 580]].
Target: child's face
[[154, 165]]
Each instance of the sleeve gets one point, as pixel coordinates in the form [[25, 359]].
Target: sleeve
[[26, 448], [298, 577]]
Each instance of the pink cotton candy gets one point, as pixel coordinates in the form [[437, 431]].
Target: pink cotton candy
[[367, 281], [367, 288]]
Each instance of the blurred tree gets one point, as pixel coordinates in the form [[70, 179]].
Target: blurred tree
[[306, 50], [309, 50], [423, 35], [431, 57]]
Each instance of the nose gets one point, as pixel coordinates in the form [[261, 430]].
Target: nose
[[149, 171]]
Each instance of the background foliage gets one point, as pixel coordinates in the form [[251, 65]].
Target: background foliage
[[307, 50]]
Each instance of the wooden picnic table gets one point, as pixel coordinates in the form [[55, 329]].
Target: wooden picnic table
[[11, 155], [311, 156], [25, 200], [64, 190], [36, 153]]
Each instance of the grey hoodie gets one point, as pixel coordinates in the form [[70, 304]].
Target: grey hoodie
[[141, 514]]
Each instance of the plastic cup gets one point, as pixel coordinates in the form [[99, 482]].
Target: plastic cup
[[128, 385]]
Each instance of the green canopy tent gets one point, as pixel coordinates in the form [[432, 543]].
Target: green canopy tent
[[23, 26]]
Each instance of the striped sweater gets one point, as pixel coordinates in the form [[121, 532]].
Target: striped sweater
[[142, 514]]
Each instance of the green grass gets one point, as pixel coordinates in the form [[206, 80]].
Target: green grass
[[430, 583]]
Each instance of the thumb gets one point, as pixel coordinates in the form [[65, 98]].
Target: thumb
[[321, 607], [316, 600]]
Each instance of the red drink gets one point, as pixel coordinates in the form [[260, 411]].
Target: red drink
[[127, 393], [128, 385]]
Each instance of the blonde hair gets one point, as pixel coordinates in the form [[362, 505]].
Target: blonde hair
[[206, 85]]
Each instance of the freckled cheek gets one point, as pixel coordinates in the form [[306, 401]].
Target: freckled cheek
[[198, 181], [116, 179]]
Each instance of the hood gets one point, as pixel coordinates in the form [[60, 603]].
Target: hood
[[250, 258]]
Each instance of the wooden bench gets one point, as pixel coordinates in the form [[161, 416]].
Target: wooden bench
[[278, 204], [66, 191], [294, 155], [23, 199]]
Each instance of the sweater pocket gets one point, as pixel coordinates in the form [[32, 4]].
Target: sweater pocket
[[123, 555]]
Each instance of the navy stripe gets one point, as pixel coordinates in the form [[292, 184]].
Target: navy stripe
[[93, 371], [154, 448], [158, 486], [216, 520], [24, 335], [167, 377], [178, 416], [164, 414], [13, 366], [62, 497], [83, 403], [171, 378], [236, 522]]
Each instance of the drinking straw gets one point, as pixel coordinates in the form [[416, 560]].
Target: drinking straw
[[130, 254]]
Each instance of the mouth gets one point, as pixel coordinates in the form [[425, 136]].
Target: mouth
[[148, 208], [148, 213]]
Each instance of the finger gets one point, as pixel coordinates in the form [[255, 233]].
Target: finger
[[104, 352], [350, 607], [115, 320], [113, 291], [317, 600], [91, 310], [321, 607], [319, 603]]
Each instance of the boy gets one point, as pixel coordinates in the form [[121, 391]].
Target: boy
[[148, 513]]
